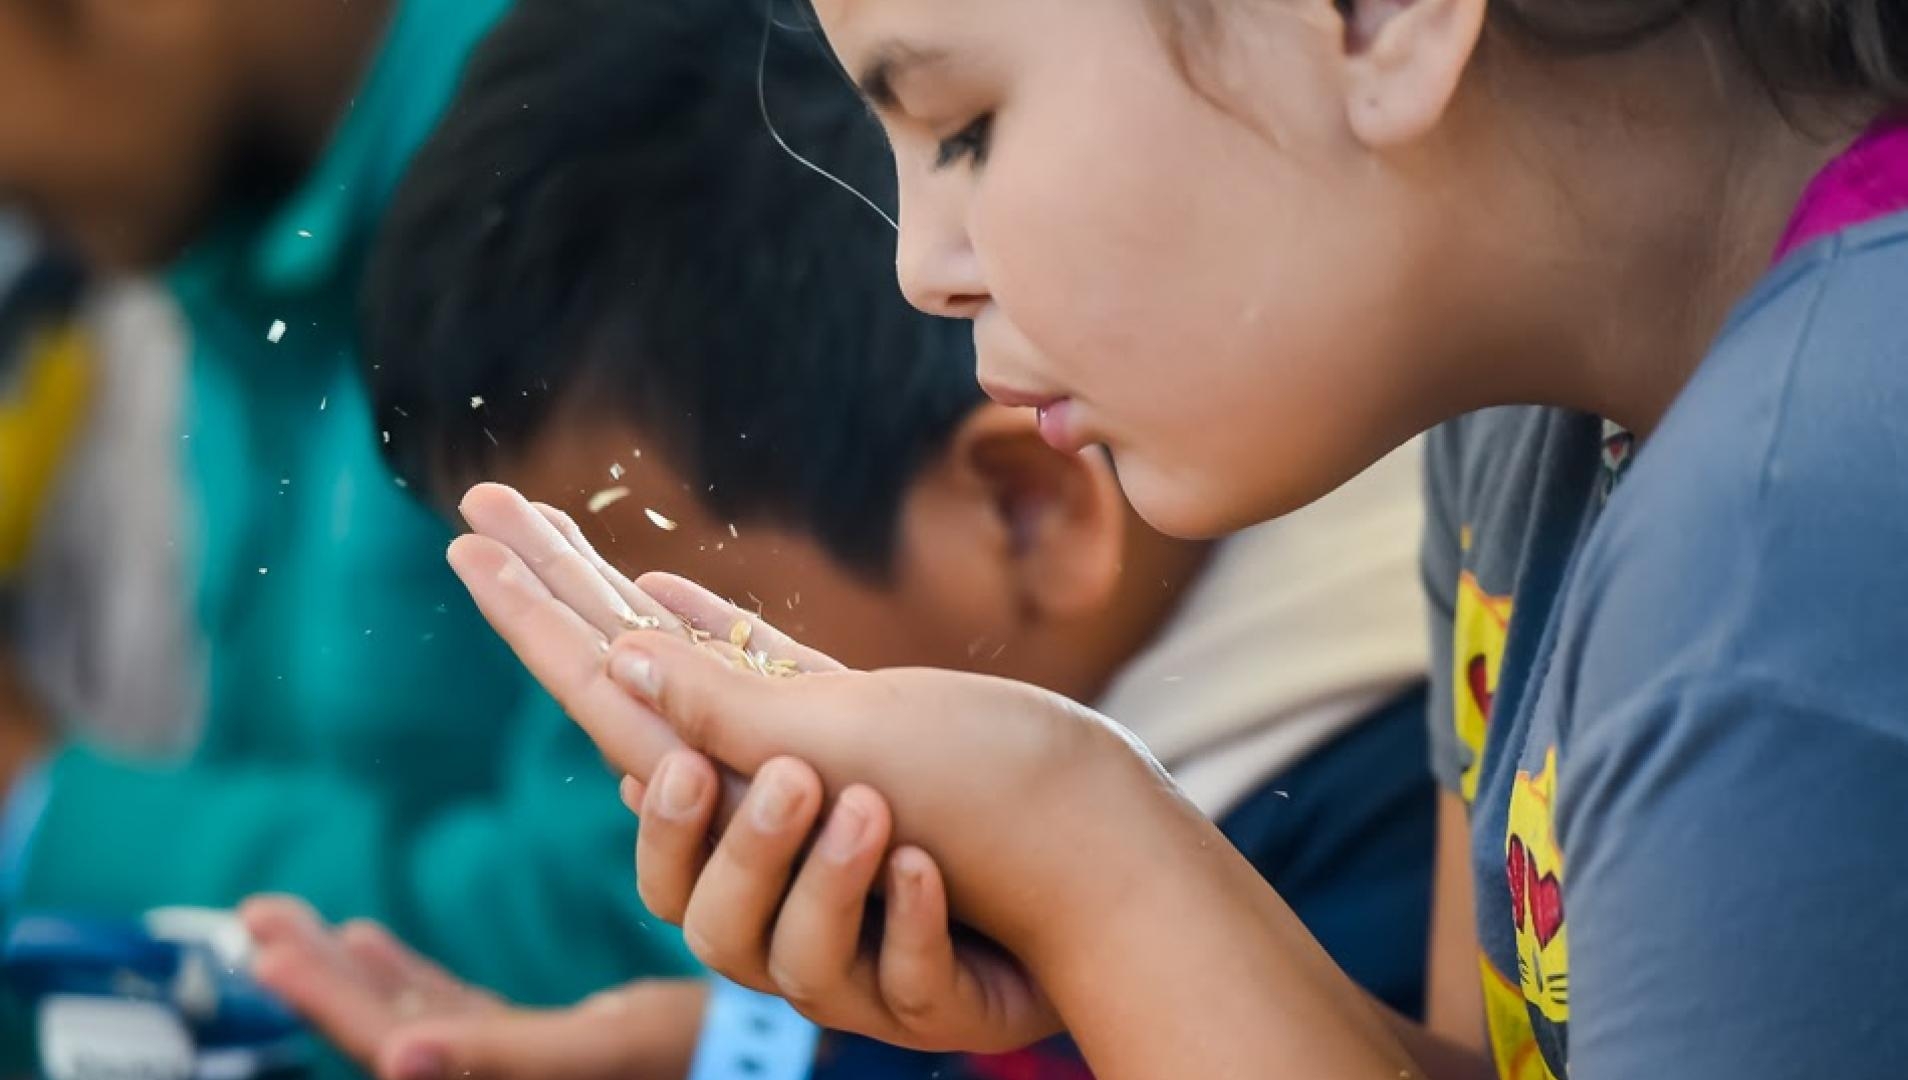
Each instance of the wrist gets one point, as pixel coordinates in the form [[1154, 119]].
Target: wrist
[[675, 1008], [1113, 823]]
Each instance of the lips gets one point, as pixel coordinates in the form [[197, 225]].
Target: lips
[[1017, 399], [1002, 350], [1060, 426]]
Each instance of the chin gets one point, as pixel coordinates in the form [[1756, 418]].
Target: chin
[[1205, 504], [1178, 505]]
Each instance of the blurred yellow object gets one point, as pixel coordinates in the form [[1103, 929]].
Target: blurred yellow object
[[40, 415]]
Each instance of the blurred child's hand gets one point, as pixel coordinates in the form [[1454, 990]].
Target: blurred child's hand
[[1048, 826], [402, 1017]]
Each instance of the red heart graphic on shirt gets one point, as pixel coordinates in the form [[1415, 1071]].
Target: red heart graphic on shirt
[[1516, 865], [1477, 674], [1536, 899], [1546, 903]]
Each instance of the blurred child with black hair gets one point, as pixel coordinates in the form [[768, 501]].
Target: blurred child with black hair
[[652, 317], [361, 741]]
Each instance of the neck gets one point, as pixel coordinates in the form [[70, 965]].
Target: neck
[[1639, 352], [1673, 203], [309, 57]]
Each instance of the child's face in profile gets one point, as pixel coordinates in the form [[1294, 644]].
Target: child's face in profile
[[1206, 276]]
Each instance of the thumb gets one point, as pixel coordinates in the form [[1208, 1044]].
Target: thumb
[[709, 612], [719, 708], [634, 1034]]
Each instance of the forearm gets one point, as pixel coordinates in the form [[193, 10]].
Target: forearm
[[1191, 966]]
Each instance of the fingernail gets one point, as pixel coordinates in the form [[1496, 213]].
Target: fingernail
[[634, 672], [841, 840], [907, 878], [681, 790], [631, 792], [420, 1063], [777, 802]]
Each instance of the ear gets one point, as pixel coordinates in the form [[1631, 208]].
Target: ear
[[1061, 515], [1405, 59]]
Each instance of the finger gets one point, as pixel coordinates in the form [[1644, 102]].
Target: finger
[[643, 606], [733, 907], [734, 715], [399, 970], [712, 614], [272, 918], [951, 988], [631, 791], [504, 515], [672, 844], [816, 957], [563, 652], [320, 983], [640, 1032], [384, 972], [918, 971]]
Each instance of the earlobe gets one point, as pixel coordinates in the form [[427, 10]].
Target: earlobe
[[1405, 60]]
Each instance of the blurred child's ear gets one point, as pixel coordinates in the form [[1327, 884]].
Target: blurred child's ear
[[1405, 59], [1062, 516]]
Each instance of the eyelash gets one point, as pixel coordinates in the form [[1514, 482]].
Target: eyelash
[[971, 142]]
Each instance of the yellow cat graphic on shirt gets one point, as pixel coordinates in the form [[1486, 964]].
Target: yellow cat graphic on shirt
[[1479, 633], [1533, 868]]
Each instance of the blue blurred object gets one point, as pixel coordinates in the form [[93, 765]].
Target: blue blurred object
[[47, 956], [119, 998]]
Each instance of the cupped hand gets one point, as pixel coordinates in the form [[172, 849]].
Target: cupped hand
[[1021, 814]]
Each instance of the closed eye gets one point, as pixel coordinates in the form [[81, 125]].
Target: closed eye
[[970, 143]]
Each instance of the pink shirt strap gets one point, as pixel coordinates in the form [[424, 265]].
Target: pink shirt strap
[[1868, 181]]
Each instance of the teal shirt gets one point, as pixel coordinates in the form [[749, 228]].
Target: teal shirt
[[368, 743]]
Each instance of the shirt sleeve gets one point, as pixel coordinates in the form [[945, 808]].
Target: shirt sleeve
[[1442, 562], [1737, 888]]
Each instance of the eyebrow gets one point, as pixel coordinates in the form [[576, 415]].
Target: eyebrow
[[892, 62]]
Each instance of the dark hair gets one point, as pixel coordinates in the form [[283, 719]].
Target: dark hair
[[1807, 48], [604, 220]]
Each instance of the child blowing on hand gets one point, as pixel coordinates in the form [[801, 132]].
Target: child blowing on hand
[[1250, 248], [690, 344]]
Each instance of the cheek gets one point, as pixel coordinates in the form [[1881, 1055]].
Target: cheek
[[1141, 275], [1220, 304]]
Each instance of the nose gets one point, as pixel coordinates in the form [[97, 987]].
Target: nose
[[939, 270]]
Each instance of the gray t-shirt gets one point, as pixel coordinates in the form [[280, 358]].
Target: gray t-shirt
[[1681, 714]]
